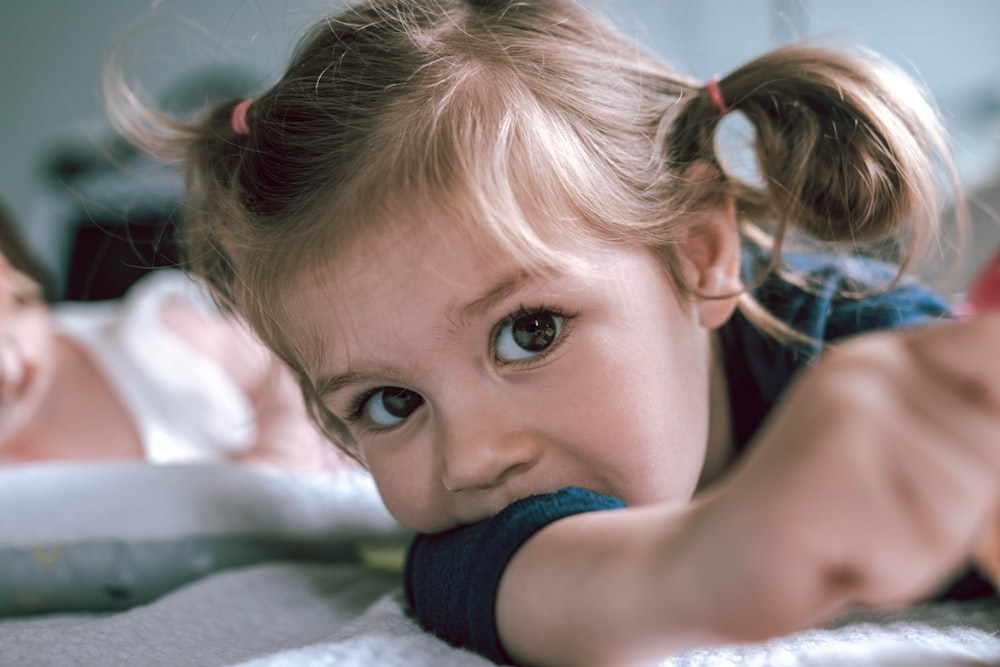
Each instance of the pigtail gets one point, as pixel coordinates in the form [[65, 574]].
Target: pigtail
[[490, 6], [479, 107], [848, 149], [209, 151], [218, 152], [215, 160]]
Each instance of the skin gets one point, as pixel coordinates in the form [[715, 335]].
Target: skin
[[43, 373], [27, 348], [618, 401], [868, 485]]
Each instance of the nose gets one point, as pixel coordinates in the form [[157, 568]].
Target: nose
[[483, 451]]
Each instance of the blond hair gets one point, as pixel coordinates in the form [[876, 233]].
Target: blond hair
[[537, 121]]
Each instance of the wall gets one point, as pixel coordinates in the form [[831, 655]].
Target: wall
[[51, 54]]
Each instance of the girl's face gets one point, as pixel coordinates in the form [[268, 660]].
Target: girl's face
[[469, 383]]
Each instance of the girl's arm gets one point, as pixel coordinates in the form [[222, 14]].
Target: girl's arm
[[985, 294], [867, 486]]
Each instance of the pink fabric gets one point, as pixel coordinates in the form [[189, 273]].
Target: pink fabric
[[240, 117], [715, 94]]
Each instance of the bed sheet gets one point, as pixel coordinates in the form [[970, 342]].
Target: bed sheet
[[285, 614], [307, 604]]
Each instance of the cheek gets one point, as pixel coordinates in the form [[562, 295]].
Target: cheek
[[641, 411], [34, 332], [405, 483], [642, 376]]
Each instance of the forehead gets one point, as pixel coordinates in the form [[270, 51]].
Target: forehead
[[429, 263], [407, 261], [405, 275], [435, 229]]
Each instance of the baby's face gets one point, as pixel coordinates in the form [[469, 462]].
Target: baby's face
[[25, 348], [469, 383]]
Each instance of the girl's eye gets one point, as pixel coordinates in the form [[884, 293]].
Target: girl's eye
[[528, 334], [389, 406]]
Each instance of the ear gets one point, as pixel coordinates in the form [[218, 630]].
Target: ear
[[712, 253]]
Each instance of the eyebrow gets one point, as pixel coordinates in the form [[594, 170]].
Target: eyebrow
[[510, 284], [325, 386], [505, 287]]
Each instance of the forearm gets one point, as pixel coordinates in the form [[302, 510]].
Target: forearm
[[581, 591], [633, 587], [867, 486]]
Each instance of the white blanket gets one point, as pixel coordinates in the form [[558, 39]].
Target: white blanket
[[219, 541], [309, 615]]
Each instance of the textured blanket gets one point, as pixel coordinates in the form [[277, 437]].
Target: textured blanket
[[304, 614], [140, 565]]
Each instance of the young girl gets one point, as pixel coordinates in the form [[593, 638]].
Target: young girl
[[161, 374], [496, 243]]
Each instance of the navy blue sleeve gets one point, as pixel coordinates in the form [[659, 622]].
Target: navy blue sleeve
[[826, 310], [452, 578], [759, 368]]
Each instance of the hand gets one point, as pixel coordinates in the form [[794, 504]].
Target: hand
[[985, 294], [869, 484]]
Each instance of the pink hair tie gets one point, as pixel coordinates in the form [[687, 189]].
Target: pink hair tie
[[240, 116], [715, 94]]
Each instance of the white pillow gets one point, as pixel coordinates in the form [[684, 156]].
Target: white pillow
[[110, 535]]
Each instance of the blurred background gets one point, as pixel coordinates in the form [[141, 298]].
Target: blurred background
[[83, 201]]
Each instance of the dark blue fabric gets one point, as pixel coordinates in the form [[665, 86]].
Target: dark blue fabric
[[758, 368], [452, 578]]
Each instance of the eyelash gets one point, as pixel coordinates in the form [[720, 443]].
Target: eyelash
[[356, 408], [355, 413]]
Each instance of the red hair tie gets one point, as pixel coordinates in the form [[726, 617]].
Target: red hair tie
[[715, 94], [985, 290], [239, 118]]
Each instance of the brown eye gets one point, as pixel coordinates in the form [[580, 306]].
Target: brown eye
[[389, 406], [526, 335]]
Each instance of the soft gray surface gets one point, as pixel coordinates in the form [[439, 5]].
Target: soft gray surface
[[278, 613], [110, 535], [223, 619], [312, 615]]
